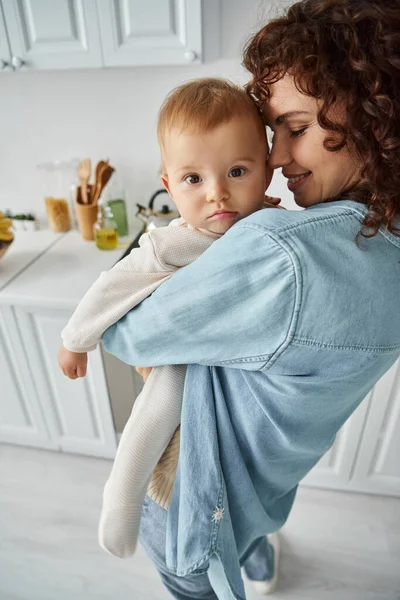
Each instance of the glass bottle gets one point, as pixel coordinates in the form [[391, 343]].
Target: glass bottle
[[105, 228], [116, 202]]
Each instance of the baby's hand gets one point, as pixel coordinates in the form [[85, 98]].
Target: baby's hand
[[271, 202], [144, 372], [72, 364]]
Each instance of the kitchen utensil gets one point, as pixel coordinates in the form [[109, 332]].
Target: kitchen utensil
[[102, 179], [84, 171], [99, 167], [86, 215], [159, 218]]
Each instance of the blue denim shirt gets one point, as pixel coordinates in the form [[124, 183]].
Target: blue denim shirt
[[286, 324]]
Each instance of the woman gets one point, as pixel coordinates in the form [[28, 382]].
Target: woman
[[290, 319]]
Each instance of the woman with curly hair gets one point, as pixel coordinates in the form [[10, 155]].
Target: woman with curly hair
[[290, 318]]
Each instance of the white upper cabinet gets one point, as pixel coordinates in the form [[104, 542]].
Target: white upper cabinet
[[154, 32], [5, 51], [52, 34], [70, 34]]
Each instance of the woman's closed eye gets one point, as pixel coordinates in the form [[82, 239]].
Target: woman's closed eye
[[192, 178], [297, 132], [237, 172]]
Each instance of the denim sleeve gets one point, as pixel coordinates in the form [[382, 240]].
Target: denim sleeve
[[233, 306]]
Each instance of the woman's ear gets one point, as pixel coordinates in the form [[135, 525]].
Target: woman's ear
[[165, 182]]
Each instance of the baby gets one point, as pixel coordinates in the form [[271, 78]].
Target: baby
[[214, 165]]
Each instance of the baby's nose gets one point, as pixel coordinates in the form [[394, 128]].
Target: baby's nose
[[218, 192]]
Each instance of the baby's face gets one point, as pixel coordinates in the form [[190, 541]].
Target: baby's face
[[218, 177]]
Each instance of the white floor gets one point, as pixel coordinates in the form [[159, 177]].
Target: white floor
[[335, 546]]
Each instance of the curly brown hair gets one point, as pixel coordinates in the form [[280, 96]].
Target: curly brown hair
[[343, 50]]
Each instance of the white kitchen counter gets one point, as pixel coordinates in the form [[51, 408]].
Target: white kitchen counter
[[62, 274], [25, 249]]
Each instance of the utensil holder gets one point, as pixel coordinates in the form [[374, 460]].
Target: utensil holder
[[86, 215]]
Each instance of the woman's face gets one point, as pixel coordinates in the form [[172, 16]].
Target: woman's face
[[314, 174]]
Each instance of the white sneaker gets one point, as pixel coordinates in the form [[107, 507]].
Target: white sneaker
[[264, 588]]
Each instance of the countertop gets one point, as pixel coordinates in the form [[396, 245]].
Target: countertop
[[25, 249], [60, 273]]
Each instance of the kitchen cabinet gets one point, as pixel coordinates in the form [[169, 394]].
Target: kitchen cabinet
[[68, 34], [52, 34], [39, 406], [155, 32], [5, 50], [365, 455], [21, 419]]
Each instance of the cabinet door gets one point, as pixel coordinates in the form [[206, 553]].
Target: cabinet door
[[335, 467], [365, 455], [5, 52], [21, 418], [155, 32], [77, 412], [377, 469], [53, 34]]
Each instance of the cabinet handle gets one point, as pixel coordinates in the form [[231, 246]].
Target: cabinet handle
[[17, 62], [190, 55], [4, 65]]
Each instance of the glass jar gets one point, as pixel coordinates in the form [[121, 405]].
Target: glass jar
[[105, 228], [58, 178]]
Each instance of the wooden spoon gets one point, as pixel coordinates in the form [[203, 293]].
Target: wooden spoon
[[103, 178], [97, 182], [84, 170]]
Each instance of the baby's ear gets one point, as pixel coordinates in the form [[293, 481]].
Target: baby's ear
[[165, 182]]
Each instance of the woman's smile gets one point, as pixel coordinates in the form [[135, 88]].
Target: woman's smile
[[296, 181]]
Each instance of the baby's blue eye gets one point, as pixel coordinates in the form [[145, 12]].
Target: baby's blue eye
[[237, 172], [192, 179]]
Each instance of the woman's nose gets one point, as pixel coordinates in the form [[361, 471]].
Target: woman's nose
[[280, 155]]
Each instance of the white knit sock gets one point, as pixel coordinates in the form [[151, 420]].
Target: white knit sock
[[155, 416]]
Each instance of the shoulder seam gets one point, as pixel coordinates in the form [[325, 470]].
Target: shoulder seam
[[310, 219]]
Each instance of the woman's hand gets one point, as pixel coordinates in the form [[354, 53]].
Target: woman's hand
[[144, 372]]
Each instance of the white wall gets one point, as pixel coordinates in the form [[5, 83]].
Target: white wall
[[107, 112]]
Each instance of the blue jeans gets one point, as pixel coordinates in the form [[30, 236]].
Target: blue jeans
[[259, 566]]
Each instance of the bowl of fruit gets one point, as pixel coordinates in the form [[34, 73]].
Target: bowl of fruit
[[6, 234]]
